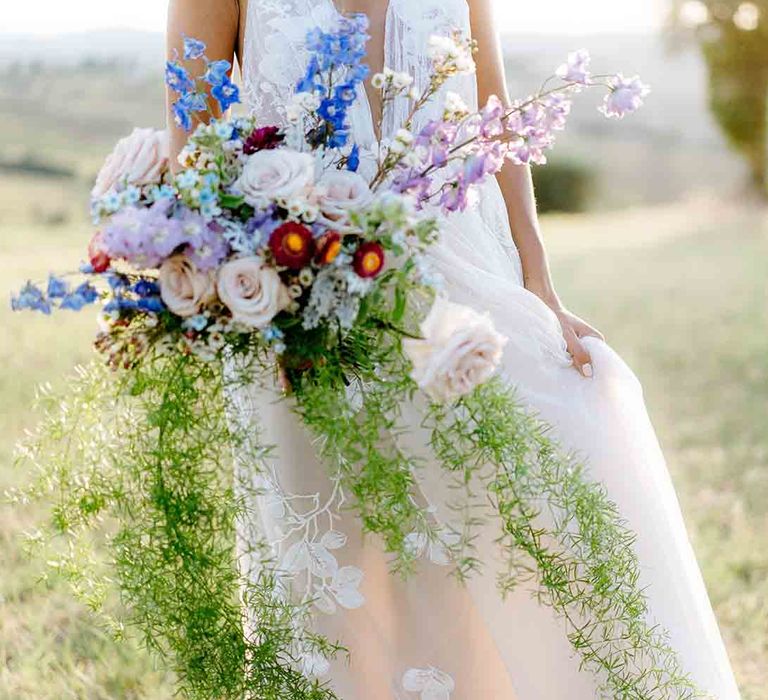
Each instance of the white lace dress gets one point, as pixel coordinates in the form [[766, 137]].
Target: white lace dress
[[429, 637]]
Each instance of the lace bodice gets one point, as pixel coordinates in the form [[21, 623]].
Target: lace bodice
[[275, 57]]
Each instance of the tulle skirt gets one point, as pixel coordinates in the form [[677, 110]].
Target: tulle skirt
[[429, 637]]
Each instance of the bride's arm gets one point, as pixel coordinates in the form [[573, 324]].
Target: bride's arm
[[517, 186], [215, 22]]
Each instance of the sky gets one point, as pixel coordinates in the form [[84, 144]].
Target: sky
[[545, 16]]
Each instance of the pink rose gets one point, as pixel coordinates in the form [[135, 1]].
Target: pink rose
[[340, 192], [185, 289], [138, 159], [461, 349], [252, 291]]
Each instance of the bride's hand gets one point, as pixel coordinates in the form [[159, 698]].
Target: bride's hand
[[574, 329]]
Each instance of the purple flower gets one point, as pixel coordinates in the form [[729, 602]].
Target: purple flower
[[557, 107], [490, 118], [455, 196], [531, 148], [625, 96], [576, 68], [207, 245], [408, 181], [144, 237]]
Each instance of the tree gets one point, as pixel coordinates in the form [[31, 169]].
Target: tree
[[733, 38]]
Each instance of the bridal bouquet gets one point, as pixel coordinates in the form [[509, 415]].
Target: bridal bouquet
[[295, 252]]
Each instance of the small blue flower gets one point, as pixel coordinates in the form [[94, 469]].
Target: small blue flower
[[196, 323], [193, 49], [211, 180], [177, 78], [207, 196], [272, 334], [210, 210], [132, 195], [111, 202], [57, 288], [224, 130], [188, 179], [162, 192], [226, 94]]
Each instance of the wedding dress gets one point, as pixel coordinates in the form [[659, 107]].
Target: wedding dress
[[429, 637]]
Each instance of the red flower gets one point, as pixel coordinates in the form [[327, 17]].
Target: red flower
[[97, 254], [329, 248], [264, 139], [292, 245], [369, 260]]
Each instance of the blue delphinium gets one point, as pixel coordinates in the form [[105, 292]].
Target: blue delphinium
[[226, 94], [31, 298], [353, 159], [191, 100], [57, 295], [177, 78], [336, 56], [57, 288], [193, 49]]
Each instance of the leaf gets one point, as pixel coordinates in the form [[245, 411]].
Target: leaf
[[296, 559], [333, 540], [231, 201]]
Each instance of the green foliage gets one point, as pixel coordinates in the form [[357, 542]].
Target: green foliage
[[146, 457], [563, 186], [737, 60], [562, 532]]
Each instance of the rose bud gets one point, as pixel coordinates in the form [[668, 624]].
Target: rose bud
[[97, 254], [329, 247], [369, 259], [292, 245]]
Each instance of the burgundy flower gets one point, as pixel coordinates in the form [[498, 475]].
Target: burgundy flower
[[329, 247], [264, 139], [292, 245], [369, 260], [97, 254]]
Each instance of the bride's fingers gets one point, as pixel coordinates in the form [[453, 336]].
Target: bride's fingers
[[584, 330], [581, 357]]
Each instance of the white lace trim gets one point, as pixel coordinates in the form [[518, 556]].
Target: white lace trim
[[431, 683]]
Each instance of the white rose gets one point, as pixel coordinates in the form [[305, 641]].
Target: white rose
[[139, 159], [274, 174], [461, 349], [253, 292], [185, 289], [340, 192]]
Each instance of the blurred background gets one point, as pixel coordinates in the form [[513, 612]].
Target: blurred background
[[658, 231]]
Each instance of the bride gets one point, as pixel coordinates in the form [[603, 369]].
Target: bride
[[430, 637]]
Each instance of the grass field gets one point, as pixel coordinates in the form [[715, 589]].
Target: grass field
[[680, 292]]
